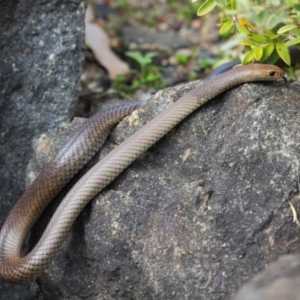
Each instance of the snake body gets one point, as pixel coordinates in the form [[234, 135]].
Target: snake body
[[78, 150]]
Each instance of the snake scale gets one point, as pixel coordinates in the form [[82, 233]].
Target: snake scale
[[74, 155]]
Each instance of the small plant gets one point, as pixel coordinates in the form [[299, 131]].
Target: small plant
[[148, 75], [182, 58], [206, 63], [187, 12], [267, 27]]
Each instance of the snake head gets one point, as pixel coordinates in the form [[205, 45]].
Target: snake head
[[267, 72]]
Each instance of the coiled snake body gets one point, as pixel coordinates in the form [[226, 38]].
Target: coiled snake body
[[82, 146]]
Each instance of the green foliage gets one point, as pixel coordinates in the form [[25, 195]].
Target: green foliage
[[148, 74], [267, 27], [182, 58], [121, 3], [206, 63], [187, 12]]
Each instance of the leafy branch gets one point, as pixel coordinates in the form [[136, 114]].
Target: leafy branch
[[267, 27]]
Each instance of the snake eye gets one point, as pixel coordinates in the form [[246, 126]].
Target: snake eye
[[272, 73]]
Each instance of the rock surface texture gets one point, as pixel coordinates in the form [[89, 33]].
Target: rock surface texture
[[200, 213], [41, 46]]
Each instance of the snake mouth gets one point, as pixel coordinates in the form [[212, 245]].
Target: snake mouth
[[285, 79]]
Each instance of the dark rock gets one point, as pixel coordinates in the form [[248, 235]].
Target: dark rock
[[200, 213], [280, 281], [41, 54]]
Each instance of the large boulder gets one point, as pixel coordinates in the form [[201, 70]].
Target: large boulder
[[41, 54], [196, 216]]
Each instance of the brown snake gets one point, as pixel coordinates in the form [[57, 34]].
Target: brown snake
[[83, 145]]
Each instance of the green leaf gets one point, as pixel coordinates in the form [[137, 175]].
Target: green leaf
[[283, 52], [206, 7], [275, 36], [242, 29], [286, 28], [270, 34], [275, 19], [182, 58], [206, 63], [139, 58], [258, 37], [151, 77], [136, 55], [262, 17], [296, 32], [226, 26], [258, 52], [297, 7], [267, 51], [134, 85], [222, 3], [293, 42], [151, 54], [248, 42], [248, 57], [273, 58]]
